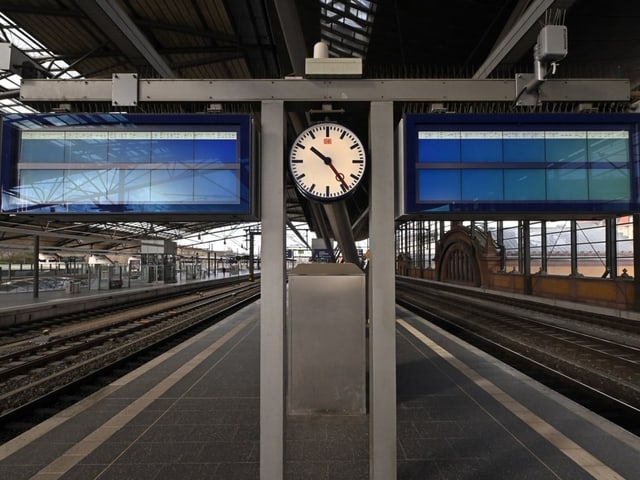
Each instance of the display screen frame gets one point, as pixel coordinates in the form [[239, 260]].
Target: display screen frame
[[414, 168], [220, 188]]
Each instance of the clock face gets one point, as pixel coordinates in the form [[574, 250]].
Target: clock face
[[327, 162]]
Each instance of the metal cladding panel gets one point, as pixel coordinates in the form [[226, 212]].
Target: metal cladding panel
[[478, 166], [326, 337]]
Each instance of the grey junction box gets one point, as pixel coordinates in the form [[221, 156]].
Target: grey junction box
[[326, 340]]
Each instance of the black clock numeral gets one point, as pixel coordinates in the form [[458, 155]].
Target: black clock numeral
[[297, 161], [300, 145], [312, 188], [326, 132], [354, 176], [312, 135], [302, 175], [327, 194], [357, 161], [355, 145], [343, 134], [344, 185]]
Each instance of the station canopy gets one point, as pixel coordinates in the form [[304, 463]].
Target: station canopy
[[243, 39]]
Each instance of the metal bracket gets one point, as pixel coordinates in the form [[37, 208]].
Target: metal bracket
[[124, 89], [523, 97]]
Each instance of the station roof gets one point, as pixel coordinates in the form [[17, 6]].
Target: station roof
[[242, 39]]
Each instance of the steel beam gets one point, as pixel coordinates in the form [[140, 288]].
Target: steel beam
[[122, 31], [292, 30], [518, 33], [347, 90], [341, 227]]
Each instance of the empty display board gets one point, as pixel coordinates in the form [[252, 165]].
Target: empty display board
[[519, 164], [135, 164]]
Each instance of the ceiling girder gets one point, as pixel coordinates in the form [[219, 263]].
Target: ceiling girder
[[521, 34], [123, 32]]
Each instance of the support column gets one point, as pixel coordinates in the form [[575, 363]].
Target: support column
[[636, 262], [611, 268], [272, 291], [525, 232], [36, 266], [574, 248], [544, 264], [382, 364]]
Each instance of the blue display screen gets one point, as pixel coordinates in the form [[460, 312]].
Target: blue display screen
[[481, 164], [138, 164]]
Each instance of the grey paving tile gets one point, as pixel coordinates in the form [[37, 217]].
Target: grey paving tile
[[106, 454], [17, 472], [349, 470], [226, 452], [326, 450], [239, 471], [306, 471], [247, 432], [406, 429], [166, 433], [427, 449], [465, 469], [131, 472], [156, 453], [84, 472], [419, 470], [293, 450], [438, 429], [510, 465], [190, 471], [215, 433]]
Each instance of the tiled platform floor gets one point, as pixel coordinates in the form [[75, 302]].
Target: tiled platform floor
[[194, 414]]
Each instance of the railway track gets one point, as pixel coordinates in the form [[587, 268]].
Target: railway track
[[32, 371], [596, 361]]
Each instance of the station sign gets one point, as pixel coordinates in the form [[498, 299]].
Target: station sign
[[519, 165], [139, 165]]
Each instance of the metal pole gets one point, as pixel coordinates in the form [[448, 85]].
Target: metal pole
[[636, 262], [526, 255], [36, 266], [543, 246], [272, 291], [251, 256], [382, 351], [611, 248], [574, 248]]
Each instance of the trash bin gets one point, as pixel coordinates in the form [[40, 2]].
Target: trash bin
[[326, 340]]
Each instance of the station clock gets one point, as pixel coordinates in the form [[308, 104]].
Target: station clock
[[327, 162]]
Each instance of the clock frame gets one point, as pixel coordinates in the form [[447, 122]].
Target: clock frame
[[327, 162]]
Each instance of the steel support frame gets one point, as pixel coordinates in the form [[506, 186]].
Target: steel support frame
[[382, 347], [272, 293], [272, 94], [611, 250], [574, 248], [336, 90]]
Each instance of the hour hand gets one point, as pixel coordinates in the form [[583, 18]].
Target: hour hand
[[326, 159]]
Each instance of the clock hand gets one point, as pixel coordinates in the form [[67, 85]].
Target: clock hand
[[327, 161], [339, 176]]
